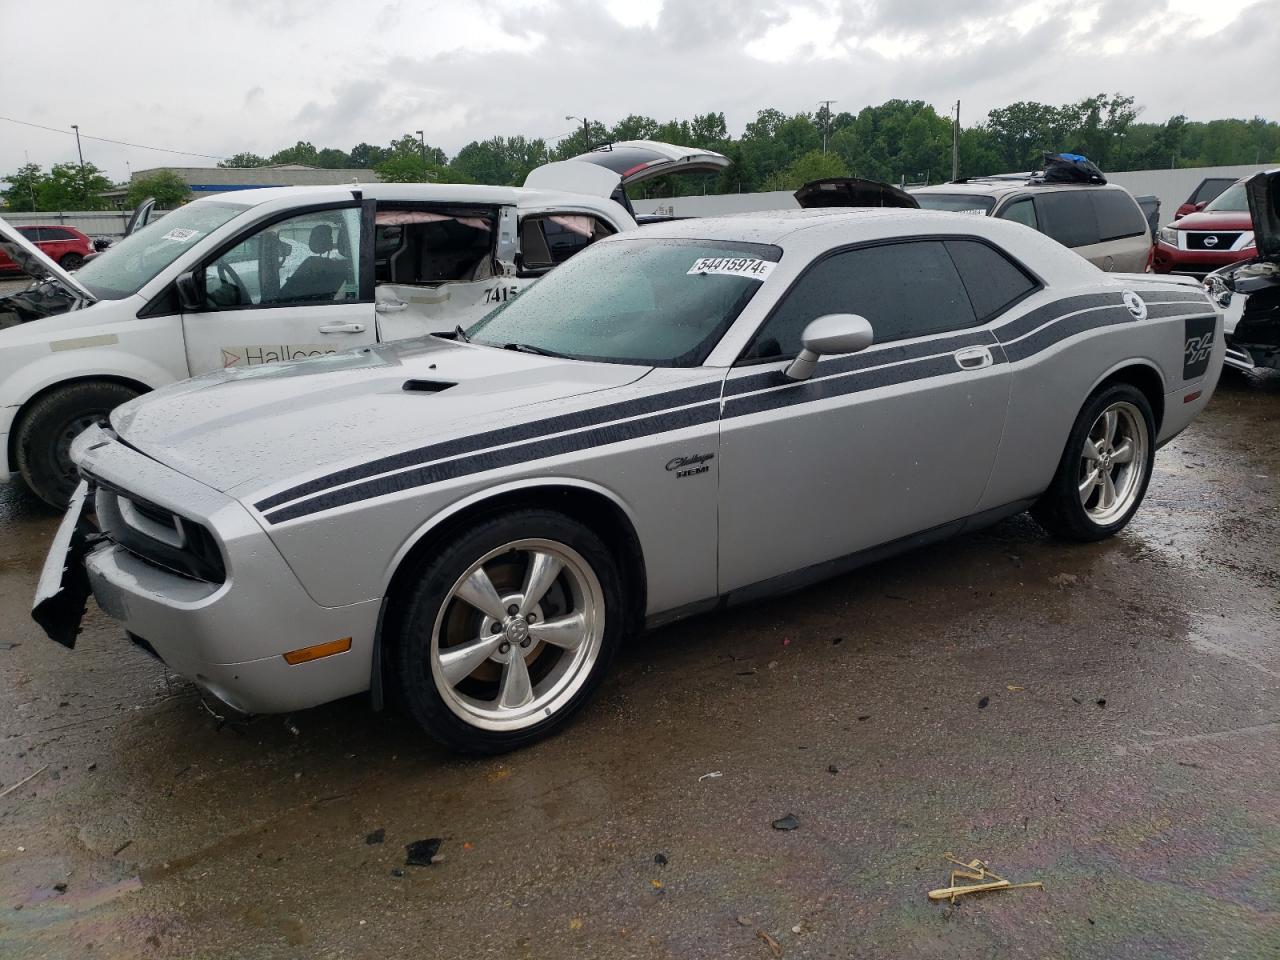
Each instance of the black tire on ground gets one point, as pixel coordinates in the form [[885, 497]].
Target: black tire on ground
[[72, 261], [1060, 510], [46, 428], [413, 616]]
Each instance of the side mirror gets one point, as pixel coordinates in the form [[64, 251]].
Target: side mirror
[[834, 333], [190, 297]]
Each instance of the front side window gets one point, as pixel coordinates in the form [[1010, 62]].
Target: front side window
[[549, 240], [1021, 211], [1068, 216], [650, 301], [57, 233], [128, 265], [956, 202], [1231, 200], [907, 289], [312, 258]]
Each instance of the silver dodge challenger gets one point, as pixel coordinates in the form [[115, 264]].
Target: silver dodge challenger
[[687, 416]]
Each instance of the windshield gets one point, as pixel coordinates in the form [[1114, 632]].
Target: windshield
[[1231, 200], [124, 267], [956, 202], [657, 302]]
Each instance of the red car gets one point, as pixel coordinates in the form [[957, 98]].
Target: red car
[[1199, 243], [66, 246]]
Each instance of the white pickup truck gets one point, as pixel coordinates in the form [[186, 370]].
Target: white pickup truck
[[255, 276]]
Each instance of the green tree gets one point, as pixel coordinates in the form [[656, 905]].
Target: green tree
[[72, 187], [367, 156], [168, 189], [814, 165], [411, 144], [24, 187], [405, 167], [300, 152], [244, 160], [333, 159]]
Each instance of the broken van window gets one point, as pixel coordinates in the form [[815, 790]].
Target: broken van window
[[422, 247]]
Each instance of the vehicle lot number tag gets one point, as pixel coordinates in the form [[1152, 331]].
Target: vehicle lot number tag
[[751, 267], [179, 235]]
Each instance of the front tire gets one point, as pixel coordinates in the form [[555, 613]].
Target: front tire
[[507, 630], [1105, 469], [72, 261], [48, 426]]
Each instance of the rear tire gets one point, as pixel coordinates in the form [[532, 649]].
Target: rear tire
[[1105, 468], [72, 261], [506, 630], [47, 427]]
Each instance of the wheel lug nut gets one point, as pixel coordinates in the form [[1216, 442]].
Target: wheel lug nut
[[496, 628], [525, 642], [504, 647], [513, 610]]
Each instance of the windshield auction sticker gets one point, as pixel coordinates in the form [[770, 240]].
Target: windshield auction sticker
[[750, 267], [179, 234]]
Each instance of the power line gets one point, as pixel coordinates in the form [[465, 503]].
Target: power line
[[121, 143]]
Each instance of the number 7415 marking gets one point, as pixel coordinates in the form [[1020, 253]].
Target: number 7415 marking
[[500, 294]]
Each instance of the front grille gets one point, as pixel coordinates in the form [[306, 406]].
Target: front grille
[[157, 535], [1211, 241]]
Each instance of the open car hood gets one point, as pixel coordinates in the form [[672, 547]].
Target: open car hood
[[1263, 191], [32, 261], [604, 170], [853, 192]]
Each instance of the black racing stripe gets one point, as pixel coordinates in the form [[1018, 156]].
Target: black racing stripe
[[1052, 311], [1189, 295], [497, 459], [867, 358], [807, 391], [1064, 328], [493, 438], [1159, 310]]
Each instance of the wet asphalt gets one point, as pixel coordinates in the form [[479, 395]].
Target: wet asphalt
[[1105, 719]]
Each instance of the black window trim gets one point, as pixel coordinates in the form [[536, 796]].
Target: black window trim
[[744, 361]]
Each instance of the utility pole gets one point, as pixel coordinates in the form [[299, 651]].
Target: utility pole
[[955, 144], [84, 183], [422, 146], [826, 121], [586, 129]]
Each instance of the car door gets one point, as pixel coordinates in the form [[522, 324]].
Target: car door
[[293, 287], [878, 445]]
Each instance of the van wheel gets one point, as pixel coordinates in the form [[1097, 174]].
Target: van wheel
[[72, 261], [48, 426], [507, 630], [1104, 471]]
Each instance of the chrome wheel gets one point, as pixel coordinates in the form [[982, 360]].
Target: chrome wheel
[[1113, 462], [518, 635]]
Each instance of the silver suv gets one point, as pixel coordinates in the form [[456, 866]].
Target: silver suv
[[1102, 223]]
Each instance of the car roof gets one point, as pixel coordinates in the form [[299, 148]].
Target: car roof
[[828, 226], [465, 193], [1000, 187]]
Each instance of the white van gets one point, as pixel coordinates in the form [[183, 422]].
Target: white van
[[255, 276]]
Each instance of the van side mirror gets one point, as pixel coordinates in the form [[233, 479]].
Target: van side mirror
[[190, 296], [834, 333]]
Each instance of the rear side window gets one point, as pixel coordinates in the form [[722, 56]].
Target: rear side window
[[57, 233], [1118, 215], [547, 241], [993, 281], [908, 289], [34, 234], [1021, 211], [1068, 216]]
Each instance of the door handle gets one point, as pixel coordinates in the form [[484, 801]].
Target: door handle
[[342, 328], [390, 306], [973, 358]]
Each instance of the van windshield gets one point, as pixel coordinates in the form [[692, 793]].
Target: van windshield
[[125, 267], [956, 202]]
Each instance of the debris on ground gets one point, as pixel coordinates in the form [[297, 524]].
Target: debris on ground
[[1064, 579], [397, 872], [1013, 687], [423, 853], [713, 775], [660, 859], [575, 923], [657, 884], [60, 887], [789, 822], [982, 704], [376, 837], [121, 849], [27, 779], [1101, 702], [774, 945], [832, 768], [744, 921], [980, 871]]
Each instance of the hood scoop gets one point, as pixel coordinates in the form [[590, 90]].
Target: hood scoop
[[426, 386]]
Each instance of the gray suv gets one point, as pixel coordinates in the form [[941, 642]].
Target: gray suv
[[1102, 223]]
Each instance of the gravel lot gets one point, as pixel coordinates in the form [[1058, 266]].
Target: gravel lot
[[1100, 718]]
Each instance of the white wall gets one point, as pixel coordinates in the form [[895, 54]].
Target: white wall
[[1171, 186], [94, 223]]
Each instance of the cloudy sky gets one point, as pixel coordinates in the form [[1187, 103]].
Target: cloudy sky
[[262, 74]]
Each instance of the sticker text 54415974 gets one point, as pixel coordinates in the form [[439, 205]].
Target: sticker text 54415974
[[752, 267]]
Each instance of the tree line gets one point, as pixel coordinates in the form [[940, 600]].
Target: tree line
[[897, 141]]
